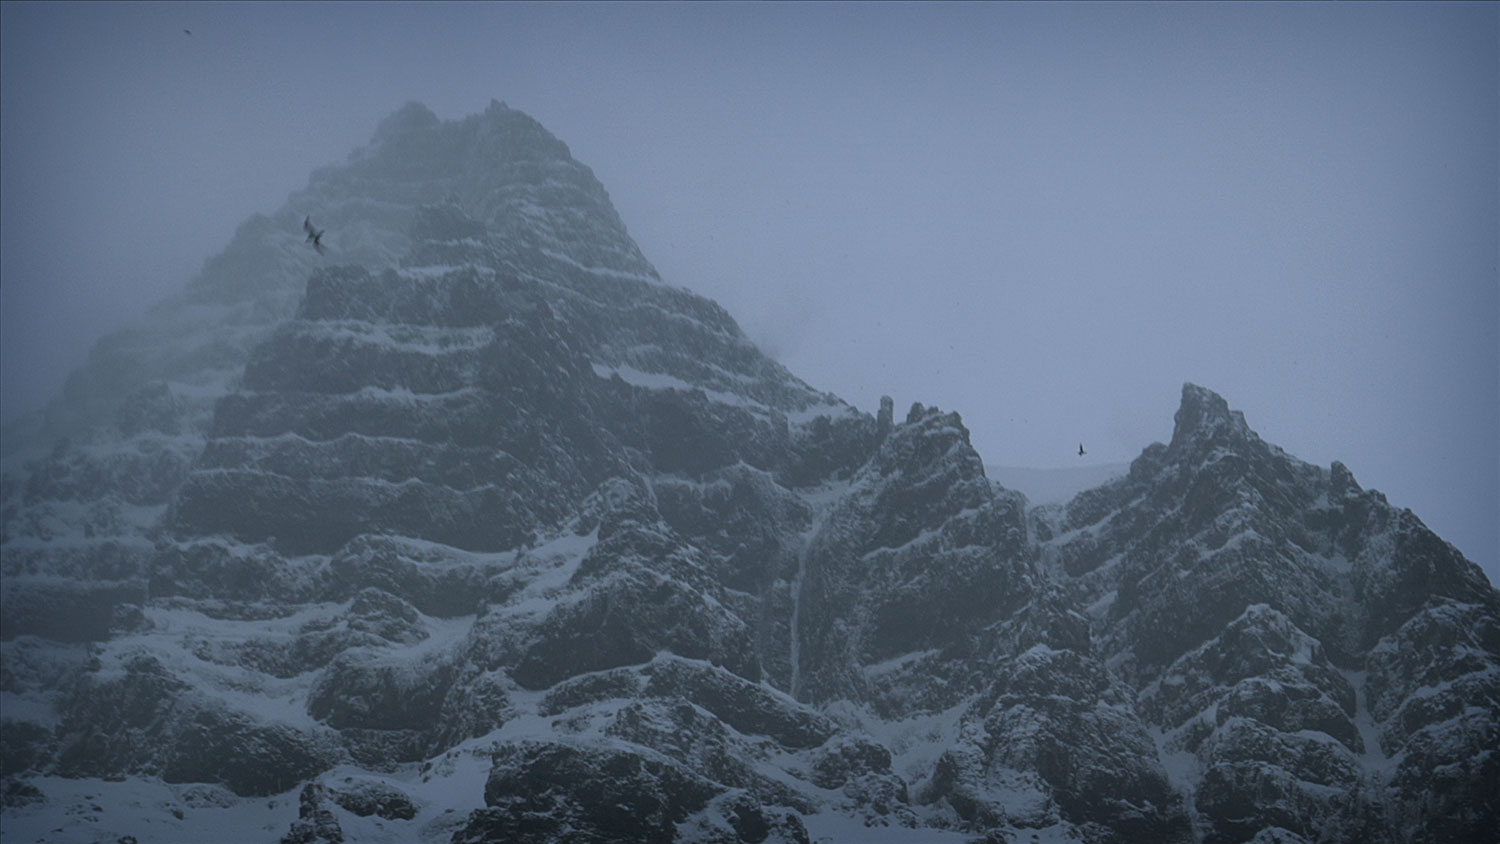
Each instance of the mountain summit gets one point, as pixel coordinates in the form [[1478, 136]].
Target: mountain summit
[[476, 530]]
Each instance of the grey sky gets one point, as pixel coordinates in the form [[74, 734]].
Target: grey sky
[[1045, 216]]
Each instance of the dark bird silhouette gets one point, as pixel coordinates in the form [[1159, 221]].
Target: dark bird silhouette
[[314, 234], [1081, 452], [188, 31]]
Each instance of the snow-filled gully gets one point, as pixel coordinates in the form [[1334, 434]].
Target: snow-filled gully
[[823, 505]]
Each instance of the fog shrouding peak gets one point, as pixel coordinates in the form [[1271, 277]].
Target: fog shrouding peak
[[428, 502], [1047, 216]]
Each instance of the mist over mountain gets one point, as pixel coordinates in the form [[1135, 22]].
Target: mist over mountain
[[476, 529]]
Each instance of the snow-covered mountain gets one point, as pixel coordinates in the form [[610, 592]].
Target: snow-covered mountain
[[475, 530]]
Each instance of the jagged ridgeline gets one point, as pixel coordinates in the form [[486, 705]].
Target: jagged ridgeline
[[475, 530]]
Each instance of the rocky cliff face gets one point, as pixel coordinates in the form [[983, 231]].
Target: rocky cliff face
[[477, 531], [1310, 658]]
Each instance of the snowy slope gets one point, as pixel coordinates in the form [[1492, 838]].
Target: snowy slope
[[479, 531]]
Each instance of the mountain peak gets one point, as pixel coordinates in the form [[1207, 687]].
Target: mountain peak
[[480, 492], [497, 137], [410, 118], [1205, 415]]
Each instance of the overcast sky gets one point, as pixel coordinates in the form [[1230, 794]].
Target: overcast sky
[[1045, 216]]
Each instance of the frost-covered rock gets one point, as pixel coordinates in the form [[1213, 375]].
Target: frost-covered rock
[[1315, 662], [547, 793], [475, 530]]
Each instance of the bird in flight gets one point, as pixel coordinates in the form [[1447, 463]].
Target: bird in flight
[[1081, 452], [314, 234]]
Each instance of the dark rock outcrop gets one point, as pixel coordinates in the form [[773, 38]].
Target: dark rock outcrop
[[479, 532], [1259, 604]]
